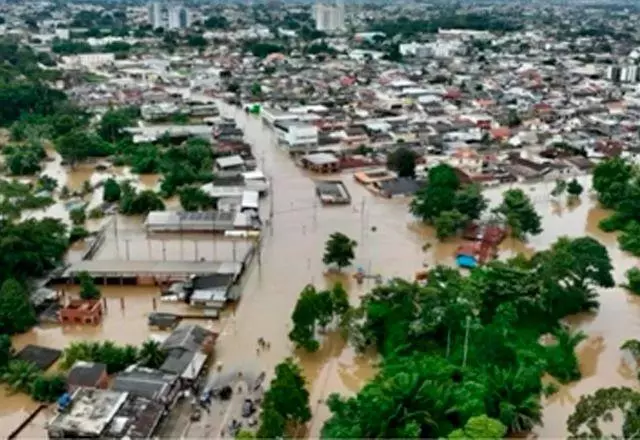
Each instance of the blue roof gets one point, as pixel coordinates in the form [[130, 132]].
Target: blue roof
[[466, 261]]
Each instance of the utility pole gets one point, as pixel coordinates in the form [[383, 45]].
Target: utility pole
[[126, 244], [362, 207], [466, 342], [115, 232], [271, 206]]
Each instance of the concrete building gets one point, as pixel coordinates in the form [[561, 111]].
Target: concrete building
[[329, 18], [156, 18], [297, 136], [89, 60], [168, 16]]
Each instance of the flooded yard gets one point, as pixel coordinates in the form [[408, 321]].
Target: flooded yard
[[390, 243]]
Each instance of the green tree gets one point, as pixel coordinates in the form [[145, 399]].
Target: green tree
[[152, 354], [339, 300], [74, 146], [480, 428], [403, 162], [574, 188], [256, 89], [520, 214], [600, 407], [20, 375], [304, 320], [633, 280], [339, 250], [630, 238], [195, 199], [48, 388], [448, 223], [111, 191], [78, 216], [561, 359], [443, 192], [287, 397], [16, 312], [113, 123], [6, 351], [513, 119], [88, 289], [324, 308], [610, 180], [272, 424]]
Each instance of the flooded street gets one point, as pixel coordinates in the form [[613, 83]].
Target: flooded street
[[390, 243]]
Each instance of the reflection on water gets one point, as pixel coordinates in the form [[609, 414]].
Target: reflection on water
[[390, 243]]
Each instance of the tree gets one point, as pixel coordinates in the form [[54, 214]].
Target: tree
[[111, 191], [74, 146], [256, 89], [272, 424], [633, 280], [88, 289], [16, 312], [339, 250], [560, 188], [48, 388], [287, 397], [195, 199], [113, 122], [324, 308], [403, 162], [6, 351], [561, 360], [520, 214], [513, 120], [339, 300], [574, 188], [443, 193], [20, 375], [448, 223], [480, 428], [78, 216], [610, 180], [152, 354], [601, 406], [630, 238], [304, 320]]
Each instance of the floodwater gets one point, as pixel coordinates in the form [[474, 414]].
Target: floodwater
[[390, 243]]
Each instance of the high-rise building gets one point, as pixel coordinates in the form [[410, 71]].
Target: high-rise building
[[168, 16], [155, 15], [329, 18]]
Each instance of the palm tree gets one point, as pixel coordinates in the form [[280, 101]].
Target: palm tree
[[152, 354], [19, 375]]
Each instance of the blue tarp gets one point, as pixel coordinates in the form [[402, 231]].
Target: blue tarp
[[466, 261]]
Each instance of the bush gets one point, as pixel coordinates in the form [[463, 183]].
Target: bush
[[614, 222], [77, 233], [78, 216], [633, 280]]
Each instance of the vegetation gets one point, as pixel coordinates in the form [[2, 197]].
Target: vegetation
[[25, 159], [151, 354], [111, 191], [601, 407], [339, 250], [445, 204], [16, 312], [286, 402], [78, 216], [461, 355], [315, 309], [113, 122], [633, 280], [138, 203], [520, 215], [116, 358], [403, 162], [194, 199], [88, 289], [48, 388], [574, 188]]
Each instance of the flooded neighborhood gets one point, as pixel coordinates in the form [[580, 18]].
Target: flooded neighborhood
[[196, 226]]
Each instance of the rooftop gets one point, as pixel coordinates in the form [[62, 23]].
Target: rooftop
[[88, 414]]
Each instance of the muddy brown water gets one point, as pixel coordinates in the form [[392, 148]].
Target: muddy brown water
[[291, 258]]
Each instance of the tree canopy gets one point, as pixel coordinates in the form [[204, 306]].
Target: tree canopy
[[339, 250], [461, 355], [403, 162], [444, 203], [285, 403], [519, 213]]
